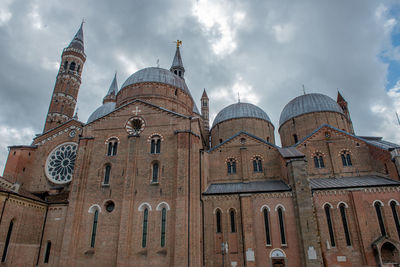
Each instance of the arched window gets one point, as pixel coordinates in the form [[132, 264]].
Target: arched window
[[380, 218], [295, 138], [7, 243], [144, 233], [257, 164], [282, 226], [266, 226], [231, 165], [107, 172], [112, 147], [72, 66], [155, 171], [47, 253], [319, 161], [94, 228], [342, 208], [218, 219], [346, 159], [232, 216], [65, 65], [393, 205], [163, 222], [155, 147], [327, 209]]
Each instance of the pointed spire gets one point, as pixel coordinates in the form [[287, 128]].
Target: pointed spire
[[204, 95], [177, 64], [77, 42], [340, 98], [112, 91]]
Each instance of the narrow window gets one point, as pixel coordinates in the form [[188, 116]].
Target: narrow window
[[7, 243], [257, 164], [295, 138], [115, 147], [163, 221], [380, 218], [204, 103], [329, 222], [110, 149], [155, 146], [395, 216], [233, 224], [175, 72], [345, 226], [47, 254], [319, 161], [107, 172], [65, 65], [158, 146], [144, 234], [155, 173], [281, 226], [72, 66], [231, 164], [218, 218], [94, 228], [346, 159], [266, 225]]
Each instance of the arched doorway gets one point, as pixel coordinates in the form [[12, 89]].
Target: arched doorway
[[389, 254], [278, 258]]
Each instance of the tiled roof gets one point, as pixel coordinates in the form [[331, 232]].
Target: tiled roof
[[351, 182], [290, 152], [251, 187]]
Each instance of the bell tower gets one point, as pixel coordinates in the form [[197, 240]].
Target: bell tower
[[177, 64], [68, 81]]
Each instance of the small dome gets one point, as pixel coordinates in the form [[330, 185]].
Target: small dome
[[306, 104], [101, 111], [240, 110]]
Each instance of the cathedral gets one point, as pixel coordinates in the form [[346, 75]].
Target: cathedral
[[148, 180]]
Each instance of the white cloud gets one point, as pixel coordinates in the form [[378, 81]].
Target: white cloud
[[5, 13], [36, 18], [283, 32], [240, 88]]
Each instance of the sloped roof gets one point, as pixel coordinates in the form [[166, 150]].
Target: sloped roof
[[351, 182], [251, 187]]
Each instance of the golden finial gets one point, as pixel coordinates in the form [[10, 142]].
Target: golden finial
[[178, 43]]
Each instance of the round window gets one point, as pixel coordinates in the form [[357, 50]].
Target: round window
[[135, 126], [60, 163], [110, 206]]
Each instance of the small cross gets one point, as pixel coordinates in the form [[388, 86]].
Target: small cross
[[136, 111]]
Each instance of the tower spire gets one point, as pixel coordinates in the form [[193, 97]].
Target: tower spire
[[112, 91], [77, 42], [177, 64]]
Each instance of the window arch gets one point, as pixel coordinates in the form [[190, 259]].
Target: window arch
[[112, 147], [231, 166], [65, 65], [94, 228], [342, 208], [327, 208], [218, 221], [232, 217], [393, 206], [378, 211], [47, 253], [163, 224], [107, 173], [281, 225], [257, 164], [155, 172], [319, 161], [72, 66], [144, 231], [346, 159], [267, 226], [7, 242], [155, 147]]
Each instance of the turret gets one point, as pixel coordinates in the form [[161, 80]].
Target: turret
[[68, 81], [177, 65], [343, 104], [112, 91], [205, 110]]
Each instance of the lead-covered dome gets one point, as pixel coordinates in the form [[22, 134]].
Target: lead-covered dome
[[306, 104], [240, 110], [101, 111]]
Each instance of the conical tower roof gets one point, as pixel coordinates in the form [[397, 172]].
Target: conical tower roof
[[77, 42], [112, 91]]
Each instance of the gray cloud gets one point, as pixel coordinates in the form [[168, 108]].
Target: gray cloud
[[264, 49]]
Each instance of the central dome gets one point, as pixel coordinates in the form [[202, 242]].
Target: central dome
[[158, 75], [306, 104], [240, 110]]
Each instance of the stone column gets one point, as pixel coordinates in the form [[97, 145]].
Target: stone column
[[306, 224]]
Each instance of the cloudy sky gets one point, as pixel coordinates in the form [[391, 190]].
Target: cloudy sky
[[264, 50]]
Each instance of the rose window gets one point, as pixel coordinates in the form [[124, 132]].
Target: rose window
[[60, 163]]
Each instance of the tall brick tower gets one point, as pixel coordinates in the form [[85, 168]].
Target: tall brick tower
[[205, 110], [65, 94], [343, 104]]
